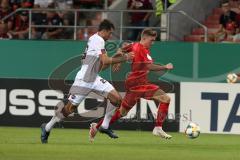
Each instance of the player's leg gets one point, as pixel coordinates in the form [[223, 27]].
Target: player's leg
[[115, 99], [78, 92], [130, 99], [128, 102], [164, 100], [62, 111], [104, 88]]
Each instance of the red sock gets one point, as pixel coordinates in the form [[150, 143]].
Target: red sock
[[99, 123], [161, 114], [115, 117]]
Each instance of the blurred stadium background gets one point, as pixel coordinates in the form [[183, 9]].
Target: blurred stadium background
[[40, 46]]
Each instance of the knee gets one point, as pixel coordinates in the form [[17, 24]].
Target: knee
[[117, 101], [62, 111], [163, 98], [58, 110], [166, 99], [123, 112]]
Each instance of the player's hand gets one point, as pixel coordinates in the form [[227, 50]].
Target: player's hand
[[119, 52], [169, 66], [116, 67], [129, 56]]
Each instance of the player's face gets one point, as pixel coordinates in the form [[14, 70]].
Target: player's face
[[107, 34], [149, 40]]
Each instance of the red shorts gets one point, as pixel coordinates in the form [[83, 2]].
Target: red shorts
[[133, 94], [137, 86], [136, 79]]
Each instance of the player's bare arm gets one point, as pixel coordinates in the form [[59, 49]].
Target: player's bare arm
[[126, 46], [116, 67], [113, 60], [156, 67], [119, 53]]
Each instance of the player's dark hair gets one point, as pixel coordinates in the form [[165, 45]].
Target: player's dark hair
[[149, 32], [106, 25]]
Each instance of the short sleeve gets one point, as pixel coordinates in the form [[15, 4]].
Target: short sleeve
[[146, 57], [97, 45], [100, 47]]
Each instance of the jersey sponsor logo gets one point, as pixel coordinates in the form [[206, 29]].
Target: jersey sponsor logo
[[149, 57]]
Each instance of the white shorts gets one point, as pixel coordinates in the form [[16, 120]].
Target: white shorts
[[80, 89]]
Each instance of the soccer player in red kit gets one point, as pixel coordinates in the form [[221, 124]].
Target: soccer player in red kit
[[137, 86]]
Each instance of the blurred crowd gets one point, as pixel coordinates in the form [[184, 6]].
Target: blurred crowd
[[229, 20], [17, 26]]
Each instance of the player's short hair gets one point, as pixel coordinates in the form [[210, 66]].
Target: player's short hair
[[106, 25], [149, 32]]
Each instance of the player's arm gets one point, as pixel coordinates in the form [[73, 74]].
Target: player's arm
[[117, 66], [113, 60], [156, 67], [125, 48], [118, 54]]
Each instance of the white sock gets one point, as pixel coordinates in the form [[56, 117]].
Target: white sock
[[108, 116], [107, 119], [51, 123]]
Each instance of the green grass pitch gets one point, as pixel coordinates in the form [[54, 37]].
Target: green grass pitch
[[73, 144]]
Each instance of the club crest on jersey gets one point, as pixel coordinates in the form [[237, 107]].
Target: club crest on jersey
[[149, 57]]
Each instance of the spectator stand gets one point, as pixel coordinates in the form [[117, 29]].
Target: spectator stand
[[91, 23]]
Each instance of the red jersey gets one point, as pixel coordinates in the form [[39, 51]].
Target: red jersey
[[139, 70]]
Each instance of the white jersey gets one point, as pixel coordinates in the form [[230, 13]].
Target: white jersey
[[87, 79], [91, 62]]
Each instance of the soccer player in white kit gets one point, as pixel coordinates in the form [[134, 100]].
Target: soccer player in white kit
[[87, 79]]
